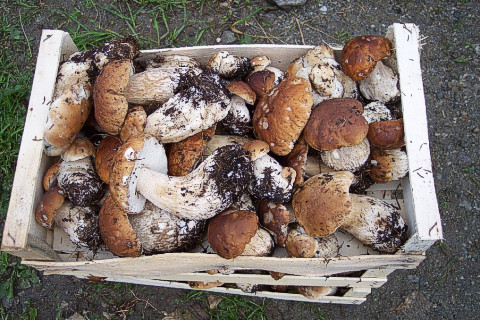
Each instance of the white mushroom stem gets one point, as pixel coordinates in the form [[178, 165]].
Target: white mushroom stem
[[347, 158], [376, 223], [260, 245], [206, 191], [381, 84]]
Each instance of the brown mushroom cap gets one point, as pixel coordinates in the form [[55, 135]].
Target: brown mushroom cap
[[257, 148], [388, 165], [51, 201], [262, 82], [243, 90], [360, 55], [111, 106], [387, 134], [275, 217], [116, 230], [204, 285], [50, 177], [280, 117], [106, 151], [315, 292], [297, 159], [184, 155], [323, 202], [336, 123], [134, 124], [229, 232], [259, 63], [81, 148]]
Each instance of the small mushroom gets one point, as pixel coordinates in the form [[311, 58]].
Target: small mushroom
[[380, 85], [275, 217], [361, 54], [50, 177], [280, 117], [300, 245], [200, 285], [229, 66], [201, 102], [387, 134], [316, 292], [259, 63], [48, 205], [376, 111], [388, 165], [81, 148], [262, 82]]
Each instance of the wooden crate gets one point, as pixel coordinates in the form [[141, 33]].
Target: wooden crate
[[52, 251]]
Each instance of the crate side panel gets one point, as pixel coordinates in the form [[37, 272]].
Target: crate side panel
[[423, 208], [32, 163]]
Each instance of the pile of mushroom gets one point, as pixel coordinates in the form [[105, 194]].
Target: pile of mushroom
[[174, 149]]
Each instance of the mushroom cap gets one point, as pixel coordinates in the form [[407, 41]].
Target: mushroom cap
[[388, 165], [360, 55], [387, 134], [184, 155], [200, 285], [48, 205], [349, 158], [116, 230], [280, 117], [301, 245], [159, 232], [228, 234], [322, 204], [376, 111], [297, 159], [80, 148], [50, 177], [336, 123], [262, 82], [136, 153], [243, 90], [316, 292], [106, 151], [261, 244], [275, 217], [111, 106], [381, 84], [323, 79], [376, 223], [225, 140], [80, 182], [257, 149], [134, 124], [66, 116], [260, 62]]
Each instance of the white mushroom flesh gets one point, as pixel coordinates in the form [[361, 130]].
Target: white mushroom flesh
[[261, 244], [376, 111], [347, 158]]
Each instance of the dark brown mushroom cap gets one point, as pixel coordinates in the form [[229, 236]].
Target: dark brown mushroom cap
[[50, 177], [387, 134], [51, 201], [111, 106], [229, 233], [116, 230], [275, 217], [297, 159], [336, 123], [280, 117], [243, 90], [261, 82], [360, 55], [134, 124], [323, 202], [106, 151], [184, 155]]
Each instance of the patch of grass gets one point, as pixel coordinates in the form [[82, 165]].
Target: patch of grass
[[13, 275], [342, 36], [230, 308]]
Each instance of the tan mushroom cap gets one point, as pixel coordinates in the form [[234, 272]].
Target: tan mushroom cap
[[257, 148], [262, 82], [106, 152], [322, 204], [260, 62], [360, 55], [388, 165], [81, 148], [315, 292], [229, 232], [184, 155], [387, 134], [243, 90], [116, 230], [111, 106], [297, 159], [204, 285], [280, 117], [134, 124], [275, 217], [300, 245], [50, 177], [51, 201], [336, 123]]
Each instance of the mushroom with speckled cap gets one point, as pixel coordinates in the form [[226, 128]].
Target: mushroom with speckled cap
[[209, 189], [388, 165], [275, 217], [228, 65]]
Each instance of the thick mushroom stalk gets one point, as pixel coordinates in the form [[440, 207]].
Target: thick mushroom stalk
[[376, 223], [201, 102], [211, 188]]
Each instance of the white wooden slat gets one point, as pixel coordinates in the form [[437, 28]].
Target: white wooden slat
[[419, 191], [32, 163]]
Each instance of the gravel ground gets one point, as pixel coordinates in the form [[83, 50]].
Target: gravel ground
[[447, 284]]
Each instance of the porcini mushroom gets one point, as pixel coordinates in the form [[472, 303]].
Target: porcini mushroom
[[228, 65], [387, 134], [388, 165], [380, 85]]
